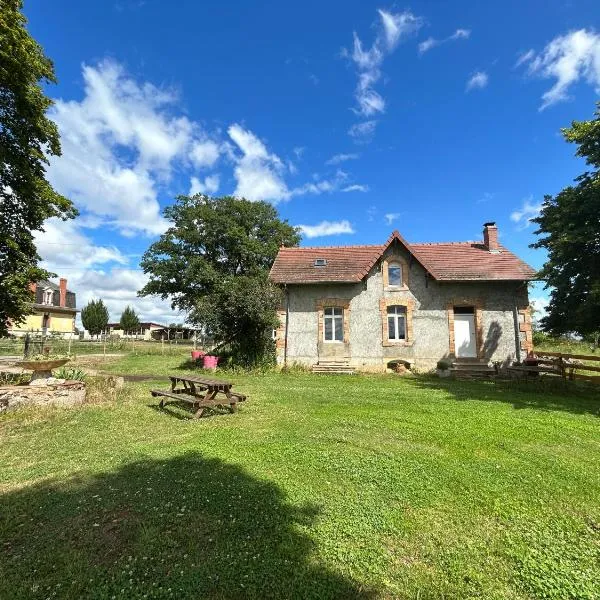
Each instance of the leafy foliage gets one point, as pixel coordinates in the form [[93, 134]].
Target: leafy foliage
[[27, 138], [570, 225], [94, 317], [129, 322], [70, 374], [213, 263]]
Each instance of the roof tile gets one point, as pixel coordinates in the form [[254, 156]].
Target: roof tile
[[450, 261]]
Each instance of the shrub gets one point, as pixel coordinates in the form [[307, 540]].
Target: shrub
[[444, 364]]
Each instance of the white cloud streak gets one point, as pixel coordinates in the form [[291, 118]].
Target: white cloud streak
[[355, 187], [363, 132], [391, 217], [340, 158], [325, 228], [392, 28], [568, 59], [429, 43]]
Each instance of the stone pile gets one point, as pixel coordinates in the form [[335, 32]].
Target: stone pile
[[48, 392]]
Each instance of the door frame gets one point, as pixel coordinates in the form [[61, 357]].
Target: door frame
[[477, 305]]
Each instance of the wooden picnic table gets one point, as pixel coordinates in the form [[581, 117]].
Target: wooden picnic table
[[200, 392]]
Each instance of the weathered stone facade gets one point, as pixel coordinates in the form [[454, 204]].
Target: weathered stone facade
[[501, 314]]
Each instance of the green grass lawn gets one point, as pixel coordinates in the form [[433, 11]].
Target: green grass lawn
[[319, 487]]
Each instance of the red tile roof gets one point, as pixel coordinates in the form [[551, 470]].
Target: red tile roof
[[454, 261]]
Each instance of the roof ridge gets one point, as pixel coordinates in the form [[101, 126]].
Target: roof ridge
[[447, 243], [371, 246]]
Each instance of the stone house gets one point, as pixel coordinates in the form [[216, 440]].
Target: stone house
[[367, 306], [53, 311]]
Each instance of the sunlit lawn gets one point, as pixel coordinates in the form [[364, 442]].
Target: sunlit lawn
[[319, 487]]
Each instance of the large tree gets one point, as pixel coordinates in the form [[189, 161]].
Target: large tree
[[129, 322], [27, 138], [213, 263], [94, 317], [569, 226]]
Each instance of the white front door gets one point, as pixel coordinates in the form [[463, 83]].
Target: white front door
[[464, 336]]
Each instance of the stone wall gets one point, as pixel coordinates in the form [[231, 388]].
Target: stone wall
[[501, 316], [68, 393]]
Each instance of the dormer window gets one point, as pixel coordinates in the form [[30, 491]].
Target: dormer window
[[320, 262], [47, 297], [394, 274]]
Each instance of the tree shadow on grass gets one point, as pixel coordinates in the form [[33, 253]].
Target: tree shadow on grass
[[552, 395], [186, 527]]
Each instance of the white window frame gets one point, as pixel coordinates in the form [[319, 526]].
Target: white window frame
[[396, 313], [394, 265], [329, 314], [47, 297]]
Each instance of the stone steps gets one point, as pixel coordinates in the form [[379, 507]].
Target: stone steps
[[472, 369], [337, 367]]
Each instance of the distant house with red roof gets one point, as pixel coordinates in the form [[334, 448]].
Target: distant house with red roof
[[365, 307]]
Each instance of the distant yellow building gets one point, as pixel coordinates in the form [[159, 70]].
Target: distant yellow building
[[54, 311]]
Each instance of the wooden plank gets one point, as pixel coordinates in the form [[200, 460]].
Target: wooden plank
[[562, 355], [177, 394], [583, 367], [535, 369], [590, 378]]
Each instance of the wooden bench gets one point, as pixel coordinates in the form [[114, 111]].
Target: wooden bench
[[200, 392]]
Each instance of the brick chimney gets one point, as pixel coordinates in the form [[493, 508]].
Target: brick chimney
[[490, 237], [63, 291]]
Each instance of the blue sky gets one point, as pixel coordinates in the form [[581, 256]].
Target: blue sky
[[354, 118]]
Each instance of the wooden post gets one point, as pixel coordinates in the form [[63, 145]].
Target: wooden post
[[162, 344], [104, 345]]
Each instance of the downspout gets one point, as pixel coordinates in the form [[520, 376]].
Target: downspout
[[517, 333], [287, 321]]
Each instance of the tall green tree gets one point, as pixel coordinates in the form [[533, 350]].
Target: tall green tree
[[27, 138], [94, 317], [213, 263], [569, 229], [130, 322]]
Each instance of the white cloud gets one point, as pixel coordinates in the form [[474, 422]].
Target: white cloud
[[523, 216], [393, 27], [118, 147], [568, 59], [97, 271], [259, 173], [326, 228], [355, 187], [539, 305], [363, 132], [429, 43], [63, 245], [209, 186], [118, 288], [461, 34], [340, 158], [391, 217], [204, 154], [524, 57], [477, 81]]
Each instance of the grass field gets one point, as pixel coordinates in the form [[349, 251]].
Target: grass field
[[319, 487]]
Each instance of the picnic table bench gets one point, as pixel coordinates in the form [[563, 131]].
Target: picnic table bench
[[200, 392]]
